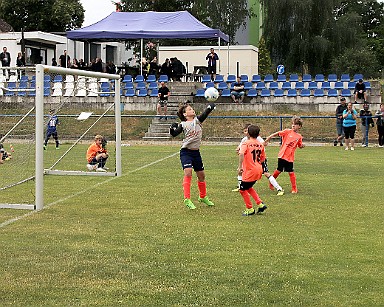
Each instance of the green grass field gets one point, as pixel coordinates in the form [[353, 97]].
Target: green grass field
[[130, 241]]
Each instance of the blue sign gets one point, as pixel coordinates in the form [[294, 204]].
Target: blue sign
[[280, 69]]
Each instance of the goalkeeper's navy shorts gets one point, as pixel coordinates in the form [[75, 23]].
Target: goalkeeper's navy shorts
[[191, 159]]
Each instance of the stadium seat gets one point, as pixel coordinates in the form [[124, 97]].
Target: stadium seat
[[339, 85], [256, 78], [127, 78], [281, 78], [307, 78], [57, 89], [268, 78], [226, 93], [305, 92], [367, 85], [154, 92], [127, 84], [219, 78], [47, 91], [231, 78], [318, 92], [151, 78], [58, 78], [24, 79], [326, 85], [139, 78], [273, 85], [163, 78], [22, 85], [152, 85], [11, 86], [222, 86], [130, 92], [32, 86], [357, 77], [260, 86], [332, 93], [244, 78], [299, 85], [292, 93], [47, 78], [104, 89], [351, 85], [93, 87], [345, 92], [248, 85], [200, 92], [319, 78], [231, 86], [294, 78], [312, 85], [209, 84], [142, 92], [286, 85], [206, 78], [332, 78], [265, 92], [278, 92], [252, 93], [141, 85], [345, 78]]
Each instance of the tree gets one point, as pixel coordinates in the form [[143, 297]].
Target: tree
[[43, 15], [265, 63]]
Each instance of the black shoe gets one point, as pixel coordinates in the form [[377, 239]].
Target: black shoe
[[261, 209], [341, 144], [335, 143]]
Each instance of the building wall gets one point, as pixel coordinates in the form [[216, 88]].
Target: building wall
[[237, 59]]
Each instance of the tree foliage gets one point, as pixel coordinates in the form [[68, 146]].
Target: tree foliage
[[42, 15], [265, 63]]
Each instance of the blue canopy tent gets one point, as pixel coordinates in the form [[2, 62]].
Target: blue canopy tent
[[150, 25]]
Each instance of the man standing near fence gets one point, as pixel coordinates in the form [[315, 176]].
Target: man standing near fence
[[339, 121], [212, 58], [5, 58]]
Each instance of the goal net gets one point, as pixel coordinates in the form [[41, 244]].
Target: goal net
[[68, 110]]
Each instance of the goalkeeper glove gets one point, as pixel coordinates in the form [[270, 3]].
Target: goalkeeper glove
[[174, 126], [211, 106]]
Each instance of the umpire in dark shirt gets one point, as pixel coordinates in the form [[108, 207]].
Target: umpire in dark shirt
[[339, 121]]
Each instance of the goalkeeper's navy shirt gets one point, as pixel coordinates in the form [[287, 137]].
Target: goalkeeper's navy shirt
[[52, 123]]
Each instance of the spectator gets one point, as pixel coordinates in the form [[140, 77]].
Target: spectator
[[166, 69], [145, 67], [349, 126], [4, 155], [5, 58], [163, 95], [178, 69], [154, 67], [238, 91], [82, 64], [360, 92], [75, 64], [65, 60], [380, 125], [98, 65], [54, 63], [20, 62], [110, 68], [339, 121], [365, 122], [212, 58], [97, 155]]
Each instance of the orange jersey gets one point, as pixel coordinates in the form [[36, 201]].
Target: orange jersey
[[93, 150], [254, 155], [291, 140]]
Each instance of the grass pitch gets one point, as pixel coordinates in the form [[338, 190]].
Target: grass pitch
[[130, 241]]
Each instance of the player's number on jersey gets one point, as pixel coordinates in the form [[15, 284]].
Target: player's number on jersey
[[256, 153]]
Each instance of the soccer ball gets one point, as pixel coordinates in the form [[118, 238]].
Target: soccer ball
[[211, 94]]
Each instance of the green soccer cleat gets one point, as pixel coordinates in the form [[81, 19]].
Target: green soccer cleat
[[262, 208], [189, 204], [206, 201], [45, 147], [57, 148], [236, 190], [280, 193], [248, 211]]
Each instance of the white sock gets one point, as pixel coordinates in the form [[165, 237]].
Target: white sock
[[273, 181], [239, 179]]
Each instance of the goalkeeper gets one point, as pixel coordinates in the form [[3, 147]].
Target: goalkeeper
[[97, 155], [190, 151]]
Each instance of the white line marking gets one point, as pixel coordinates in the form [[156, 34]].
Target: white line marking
[[11, 221]]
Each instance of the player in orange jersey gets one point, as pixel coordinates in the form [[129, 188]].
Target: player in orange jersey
[[251, 156], [291, 139]]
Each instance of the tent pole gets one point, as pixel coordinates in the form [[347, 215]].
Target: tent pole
[[141, 56], [219, 58], [228, 60]]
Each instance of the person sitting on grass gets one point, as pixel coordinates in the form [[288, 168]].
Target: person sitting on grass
[[97, 155], [4, 155]]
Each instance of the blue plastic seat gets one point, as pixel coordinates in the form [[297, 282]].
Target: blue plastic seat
[[326, 85], [222, 86], [142, 92], [219, 78], [105, 89], [163, 78], [11, 86], [154, 92], [139, 78], [292, 93], [299, 85], [332, 78], [319, 78], [152, 85], [141, 85], [286, 85], [206, 78], [22, 85], [32, 86], [268, 78], [345, 92], [47, 78], [367, 85], [226, 93], [345, 78], [307, 78], [210, 84], [318, 92], [265, 92], [332, 93], [351, 85], [244, 78], [248, 85], [127, 85], [281, 78], [200, 92], [273, 85], [339, 85], [252, 93], [278, 92], [130, 92], [294, 78], [231, 86], [231, 78], [24, 78], [57, 78], [357, 77], [151, 78], [127, 78], [260, 85], [312, 85], [47, 91], [305, 92], [256, 78]]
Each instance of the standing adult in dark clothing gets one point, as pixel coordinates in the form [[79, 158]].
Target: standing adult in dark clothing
[[380, 125], [20, 62], [65, 60], [166, 69], [177, 69], [54, 63], [360, 92], [339, 121], [212, 58], [110, 68], [5, 58], [365, 123], [98, 65], [153, 67], [163, 95]]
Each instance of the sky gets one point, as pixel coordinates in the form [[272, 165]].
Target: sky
[[96, 10]]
